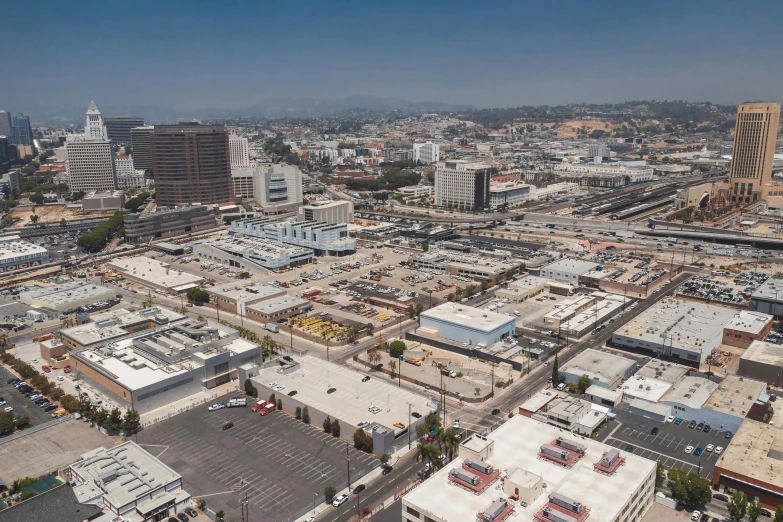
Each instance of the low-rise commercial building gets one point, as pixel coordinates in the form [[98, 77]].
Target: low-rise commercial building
[[762, 361], [168, 222], [466, 324], [522, 289], [331, 212], [568, 309], [594, 316], [684, 329], [235, 298], [417, 191], [16, 254], [751, 464], [277, 309], [153, 368], [768, 297], [603, 369], [65, 297], [746, 327], [582, 476], [253, 254], [605, 175], [116, 324], [564, 411], [128, 482], [103, 200], [567, 270], [508, 195], [155, 274], [322, 238]]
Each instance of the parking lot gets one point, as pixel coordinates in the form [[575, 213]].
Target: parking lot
[[16, 400], [667, 445], [281, 463]]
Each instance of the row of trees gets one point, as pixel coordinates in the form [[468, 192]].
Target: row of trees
[[110, 420], [332, 426], [133, 204], [96, 239], [269, 346]]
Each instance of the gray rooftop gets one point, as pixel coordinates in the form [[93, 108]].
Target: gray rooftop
[[598, 366], [113, 323], [691, 391], [65, 293], [251, 292], [278, 304], [770, 290], [662, 371], [572, 266], [464, 315], [762, 352]]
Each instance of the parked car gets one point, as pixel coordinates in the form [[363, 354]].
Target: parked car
[[386, 470], [696, 515], [228, 425], [191, 512], [339, 501], [216, 407], [358, 489], [720, 496], [697, 451], [365, 378], [709, 448], [182, 517], [689, 449]]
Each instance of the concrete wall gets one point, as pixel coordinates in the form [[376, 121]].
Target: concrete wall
[[760, 371]]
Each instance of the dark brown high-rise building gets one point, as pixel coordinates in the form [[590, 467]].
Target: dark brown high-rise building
[[192, 164]]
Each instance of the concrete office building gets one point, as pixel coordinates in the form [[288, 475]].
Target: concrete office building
[[5, 123], [685, 329], [322, 238], [510, 194], [595, 479], [141, 141], [65, 297], [598, 150], [94, 128], [762, 361], [755, 133], [16, 254], [240, 156], [243, 182], [103, 200], [426, 153], [128, 178], [622, 173], [567, 270], [90, 165], [331, 212], [168, 363], [467, 325], [235, 298], [21, 131], [118, 129], [9, 184], [256, 255], [192, 164], [128, 483], [462, 184], [564, 411], [5, 154], [278, 189], [168, 222], [603, 369], [417, 191]]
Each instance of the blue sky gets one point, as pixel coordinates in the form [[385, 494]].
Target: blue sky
[[200, 54]]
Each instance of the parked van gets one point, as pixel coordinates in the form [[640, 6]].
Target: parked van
[[237, 402], [561, 386]]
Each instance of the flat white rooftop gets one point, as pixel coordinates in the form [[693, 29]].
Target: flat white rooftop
[[278, 304], [765, 353], [250, 292], [571, 266], [598, 366], [736, 395], [517, 444], [155, 272], [749, 322], [463, 315], [16, 249], [691, 391], [64, 293], [646, 388], [113, 323]]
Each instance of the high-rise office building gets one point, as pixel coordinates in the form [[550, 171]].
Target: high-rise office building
[[240, 156], [141, 138], [90, 165], [426, 153], [278, 189], [192, 164], [754, 148], [94, 127], [5, 154], [462, 184], [119, 128], [5, 124], [21, 132]]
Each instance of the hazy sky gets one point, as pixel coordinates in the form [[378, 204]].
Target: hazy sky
[[198, 54]]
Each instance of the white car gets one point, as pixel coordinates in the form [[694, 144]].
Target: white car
[[339, 501], [272, 385], [216, 407], [719, 450], [709, 448], [60, 378], [455, 425], [689, 449], [279, 387], [696, 515], [35, 361], [8, 409], [670, 418]]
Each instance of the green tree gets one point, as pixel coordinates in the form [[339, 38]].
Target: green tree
[[272, 399], [329, 492], [70, 403], [660, 475], [279, 404], [250, 389], [555, 372], [220, 515], [737, 506], [374, 356], [336, 428], [396, 349], [691, 488], [298, 413], [583, 383], [6, 423], [306, 415], [198, 295], [114, 423], [27, 494], [385, 458], [201, 504], [393, 366], [779, 514], [21, 421], [328, 424], [754, 511], [425, 246], [131, 422]]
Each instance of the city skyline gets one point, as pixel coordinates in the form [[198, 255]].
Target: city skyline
[[249, 55]]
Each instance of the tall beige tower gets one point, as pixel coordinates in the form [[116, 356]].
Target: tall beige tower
[[754, 149]]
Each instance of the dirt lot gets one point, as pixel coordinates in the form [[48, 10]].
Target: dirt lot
[[49, 449], [51, 214], [568, 129]]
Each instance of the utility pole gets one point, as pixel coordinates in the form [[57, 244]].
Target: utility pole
[[443, 398], [399, 372], [245, 509], [348, 464], [409, 425]]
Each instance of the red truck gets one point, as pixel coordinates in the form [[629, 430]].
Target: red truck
[[257, 406], [269, 408], [46, 368]]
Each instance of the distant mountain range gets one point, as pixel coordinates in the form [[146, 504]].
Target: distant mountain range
[[284, 107]]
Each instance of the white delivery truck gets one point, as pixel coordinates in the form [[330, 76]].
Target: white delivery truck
[[237, 402], [272, 327]]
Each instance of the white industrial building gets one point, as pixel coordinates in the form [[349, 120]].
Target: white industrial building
[[567, 270], [323, 238], [426, 153], [331, 212], [467, 325], [632, 174], [278, 189], [249, 253], [603, 369], [116, 324], [64, 297], [153, 367], [17, 254], [155, 274], [526, 470], [417, 191], [129, 483], [463, 184], [768, 297], [685, 329], [238, 151], [509, 194]]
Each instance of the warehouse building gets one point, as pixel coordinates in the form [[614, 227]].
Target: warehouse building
[[155, 274], [166, 363], [253, 254], [683, 329], [746, 327], [603, 369], [768, 298], [583, 477], [129, 483], [16, 254], [568, 270], [65, 297], [467, 325], [234, 297], [652, 381], [277, 309], [601, 311], [762, 361], [751, 464], [522, 289], [116, 324]]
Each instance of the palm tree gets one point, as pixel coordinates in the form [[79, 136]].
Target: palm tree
[[449, 439], [147, 303], [374, 356], [34, 218], [458, 293], [428, 452], [63, 222]]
